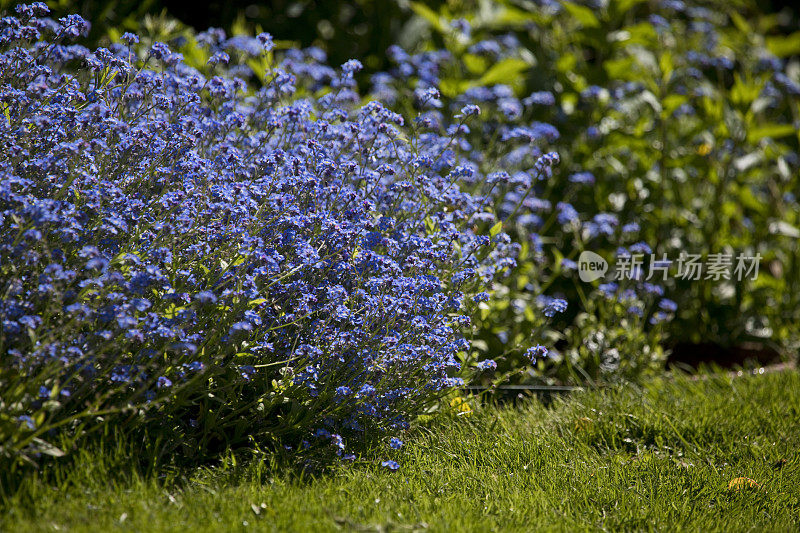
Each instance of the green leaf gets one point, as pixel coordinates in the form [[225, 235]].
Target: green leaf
[[47, 448], [582, 14], [429, 15], [774, 131], [195, 55], [503, 72], [475, 63], [557, 258], [744, 90], [643, 34], [740, 22], [451, 87], [748, 200], [666, 65], [566, 63], [623, 6], [430, 225], [620, 68], [673, 102], [784, 45], [511, 16]]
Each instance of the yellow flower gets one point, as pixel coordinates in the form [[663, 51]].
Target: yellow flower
[[460, 406], [704, 149]]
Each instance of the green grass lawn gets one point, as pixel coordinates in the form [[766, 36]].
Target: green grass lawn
[[659, 458]]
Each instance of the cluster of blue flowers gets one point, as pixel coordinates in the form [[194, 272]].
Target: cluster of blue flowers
[[252, 258]]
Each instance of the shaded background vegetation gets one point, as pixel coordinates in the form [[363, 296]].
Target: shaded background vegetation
[[361, 29]]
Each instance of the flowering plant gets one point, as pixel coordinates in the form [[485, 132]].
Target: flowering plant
[[226, 254]]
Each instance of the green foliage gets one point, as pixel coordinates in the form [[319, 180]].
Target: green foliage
[[360, 29], [618, 459], [688, 132]]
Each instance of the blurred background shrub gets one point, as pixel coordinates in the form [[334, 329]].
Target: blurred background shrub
[[677, 128]]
